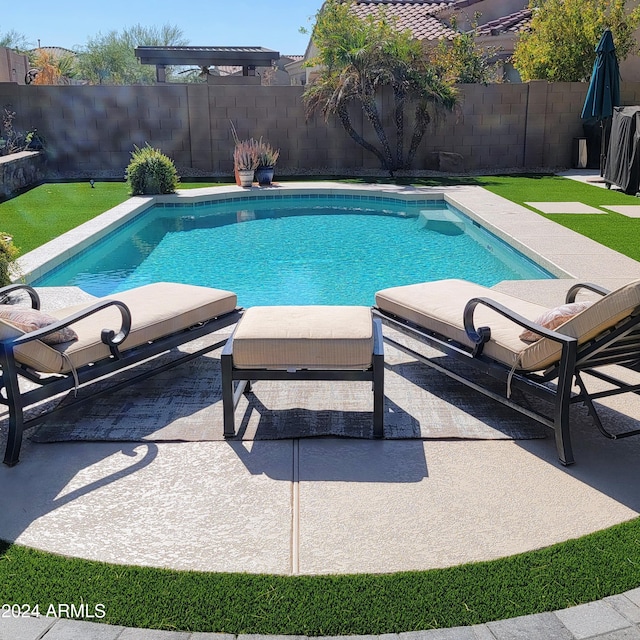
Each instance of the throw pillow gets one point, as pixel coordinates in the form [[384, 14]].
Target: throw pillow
[[30, 319], [553, 318]]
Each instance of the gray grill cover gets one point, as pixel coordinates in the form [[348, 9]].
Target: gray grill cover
[[623, 157]]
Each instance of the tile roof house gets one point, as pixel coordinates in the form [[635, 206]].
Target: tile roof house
[[419, 16], [498, 24]]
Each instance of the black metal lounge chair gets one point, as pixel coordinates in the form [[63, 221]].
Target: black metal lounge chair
[[482, 328], [110, 334]]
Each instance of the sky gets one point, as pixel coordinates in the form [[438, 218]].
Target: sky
[[273, 24]]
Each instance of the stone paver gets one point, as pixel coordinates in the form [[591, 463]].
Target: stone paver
[[153, 634], [623, 605], [541, 626], [80, 630], [23, 628], [588, 620], [631, 633], [563, 207], [629, 210]]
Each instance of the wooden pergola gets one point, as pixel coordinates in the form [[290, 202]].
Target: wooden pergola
[[246, 57]]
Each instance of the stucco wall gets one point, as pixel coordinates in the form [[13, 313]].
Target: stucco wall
[[91, 130]]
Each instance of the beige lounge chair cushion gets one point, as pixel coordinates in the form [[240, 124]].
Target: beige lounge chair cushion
[[157, 310], [439, 306], [304, 337]]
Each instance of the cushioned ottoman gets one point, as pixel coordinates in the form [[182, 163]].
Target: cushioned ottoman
[[303, 343]]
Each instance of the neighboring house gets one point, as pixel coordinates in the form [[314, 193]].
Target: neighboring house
[[275, 75], [497, 24], [499, 37]]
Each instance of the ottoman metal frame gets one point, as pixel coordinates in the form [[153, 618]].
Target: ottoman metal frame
[[231, 374]]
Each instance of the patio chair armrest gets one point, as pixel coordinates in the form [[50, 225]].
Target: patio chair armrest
[[33, 294], [481, 335], [573, 291], [110, 337], [378, 339]]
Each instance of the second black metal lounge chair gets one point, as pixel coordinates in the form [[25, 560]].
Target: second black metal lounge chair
[[108, 335], [483, 327]]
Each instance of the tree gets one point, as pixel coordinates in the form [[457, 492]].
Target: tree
[[110, 58], [560, 46], [461, 60], [356, 59], [13, 40], [51, 69]]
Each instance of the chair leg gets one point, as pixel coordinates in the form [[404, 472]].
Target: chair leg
[[16, 415], [562, 405], [228, 404], [378, 396], [378, 379]]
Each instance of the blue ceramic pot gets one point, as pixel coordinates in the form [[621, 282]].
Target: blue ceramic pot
[[264, 176]]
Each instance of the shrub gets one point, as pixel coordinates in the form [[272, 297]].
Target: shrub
[[150, 172], [8, 253]]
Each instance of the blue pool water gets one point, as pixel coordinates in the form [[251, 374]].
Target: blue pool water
[[311, 250]]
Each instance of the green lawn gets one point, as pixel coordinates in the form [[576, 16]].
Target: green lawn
[[577, 571], [45, 212], [612, 229]]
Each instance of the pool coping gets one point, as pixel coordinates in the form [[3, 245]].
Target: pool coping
[[561, 251]]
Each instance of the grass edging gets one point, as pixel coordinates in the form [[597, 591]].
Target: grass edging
[[573, 572]]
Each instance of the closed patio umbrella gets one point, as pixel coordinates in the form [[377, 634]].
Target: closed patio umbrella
[[604, 88]]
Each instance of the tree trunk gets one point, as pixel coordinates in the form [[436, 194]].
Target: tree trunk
[[422, 120], [399, 99], [371, 111], [348, 127]]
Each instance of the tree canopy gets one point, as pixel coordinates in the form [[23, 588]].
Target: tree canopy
[[359, 57], [564, 34], [13, 40], [110, 58], [461, 60]]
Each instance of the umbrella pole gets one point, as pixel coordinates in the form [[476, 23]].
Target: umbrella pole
[[601, 148]]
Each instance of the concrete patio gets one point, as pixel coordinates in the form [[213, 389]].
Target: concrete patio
[[338, 505]]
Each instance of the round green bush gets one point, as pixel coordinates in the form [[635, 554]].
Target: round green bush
[[8, 254], [150, 172]]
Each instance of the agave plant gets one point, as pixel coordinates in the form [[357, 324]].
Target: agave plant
[[245, 155], [267, 155]]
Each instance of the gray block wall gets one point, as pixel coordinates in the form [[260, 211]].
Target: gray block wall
[[92, 130]]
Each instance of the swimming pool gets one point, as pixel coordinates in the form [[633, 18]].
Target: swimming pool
[[295, 249]]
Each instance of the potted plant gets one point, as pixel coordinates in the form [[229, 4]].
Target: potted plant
[[267, 158], [245, 161], [34, 140]]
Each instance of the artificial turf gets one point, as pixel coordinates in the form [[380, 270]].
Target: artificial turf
[[51, 209], [613, 230], [577, 571], [601, 564]]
